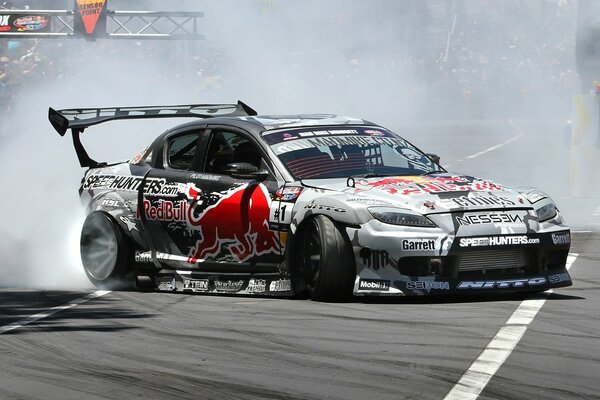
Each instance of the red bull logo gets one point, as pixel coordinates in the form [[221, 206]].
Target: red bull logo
[[240, 217]]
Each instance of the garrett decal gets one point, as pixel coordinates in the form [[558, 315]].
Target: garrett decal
[[497, 241], [561, 238], [427, 285], [509, 283], [489, 218], [282, 285], [374, 284], [418, 244]]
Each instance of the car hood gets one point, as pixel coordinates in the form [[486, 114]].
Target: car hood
[[426, 194]]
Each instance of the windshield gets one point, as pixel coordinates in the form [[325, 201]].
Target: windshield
[[342, 152]]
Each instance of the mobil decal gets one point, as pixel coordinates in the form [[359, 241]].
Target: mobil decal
[[240, 219], [412, 185]]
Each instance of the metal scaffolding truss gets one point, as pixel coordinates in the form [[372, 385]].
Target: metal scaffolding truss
[[119, 25]]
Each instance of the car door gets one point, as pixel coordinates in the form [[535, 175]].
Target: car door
[[200, 217]]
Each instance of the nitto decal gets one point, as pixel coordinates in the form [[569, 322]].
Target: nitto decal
[[497, 241], [229, 286], [561, 238], [282, 285], [374, 284], [509, 283], [257, 286], [427, 285], [418, 244], [322, 207], [489, 218], [240, 219], [195, 285]]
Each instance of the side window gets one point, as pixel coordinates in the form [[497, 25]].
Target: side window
[[230, 147], [181, 151]]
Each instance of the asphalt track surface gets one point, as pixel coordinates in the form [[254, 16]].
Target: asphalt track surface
[[156, 345]]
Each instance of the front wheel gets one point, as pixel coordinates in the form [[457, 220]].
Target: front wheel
[[104, 252], [327, 264]]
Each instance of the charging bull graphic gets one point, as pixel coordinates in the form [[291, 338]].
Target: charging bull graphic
[[240, 217]]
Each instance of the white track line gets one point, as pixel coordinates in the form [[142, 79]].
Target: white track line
[[515, 127], [475, 379], [495, 147], [51, 311]]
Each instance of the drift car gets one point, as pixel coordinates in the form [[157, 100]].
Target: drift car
[[234, 202]]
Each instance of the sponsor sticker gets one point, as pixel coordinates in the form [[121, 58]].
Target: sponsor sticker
[[167, 284], [281, 285], [229, 286], [489, 218], [374, 284], [257, 286], [153, 187], [375, 259], [503, 284], [561, 238], [418, 244], [428, 285], [195, 285], [497, 241], [557, 278]]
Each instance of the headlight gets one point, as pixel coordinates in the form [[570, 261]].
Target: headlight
[[396, 216], [546, 212]]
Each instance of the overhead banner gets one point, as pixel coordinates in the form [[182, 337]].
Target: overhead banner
[[90, 16], [24, 23]]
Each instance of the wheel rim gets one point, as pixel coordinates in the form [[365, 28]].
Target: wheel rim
[[312, 256], [99, 248]]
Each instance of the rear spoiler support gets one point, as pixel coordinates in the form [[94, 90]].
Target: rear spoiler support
[[78, 119], [84, 159]]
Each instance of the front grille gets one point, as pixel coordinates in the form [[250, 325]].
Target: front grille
[[492, 259]]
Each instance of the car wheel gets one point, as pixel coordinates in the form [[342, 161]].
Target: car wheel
[[327, 264], [104, 252]]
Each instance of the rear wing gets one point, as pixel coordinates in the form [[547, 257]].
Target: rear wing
[[78, 119]]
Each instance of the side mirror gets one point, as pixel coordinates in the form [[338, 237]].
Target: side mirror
[[433, 157], [246, 171]]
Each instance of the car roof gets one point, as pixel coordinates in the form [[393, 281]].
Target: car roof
[[260, 123]]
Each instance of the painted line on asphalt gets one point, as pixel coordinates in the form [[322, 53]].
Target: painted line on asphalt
[[475, 379], [495, 147], [51, 311]]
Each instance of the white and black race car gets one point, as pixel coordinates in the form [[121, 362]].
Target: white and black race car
[[333, 206]]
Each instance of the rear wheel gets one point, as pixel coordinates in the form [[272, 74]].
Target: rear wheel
[[105, 252], [327, 264]]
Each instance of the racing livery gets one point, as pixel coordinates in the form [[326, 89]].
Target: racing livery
[[321, 204]]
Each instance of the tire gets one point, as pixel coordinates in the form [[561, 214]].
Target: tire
[[326, 261], [105, 253]]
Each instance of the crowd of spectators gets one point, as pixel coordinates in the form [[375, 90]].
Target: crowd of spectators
[[467, 58]]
